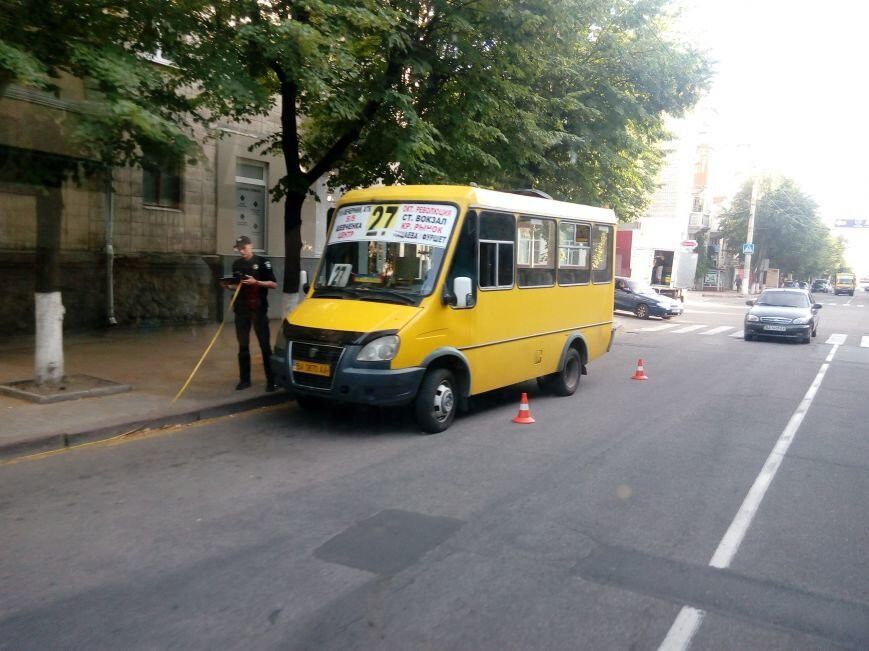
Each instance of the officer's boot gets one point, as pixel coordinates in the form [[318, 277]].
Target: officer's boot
[[243, 371]]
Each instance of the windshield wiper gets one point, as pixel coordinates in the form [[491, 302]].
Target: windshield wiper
[[333, 291], [402, 298]]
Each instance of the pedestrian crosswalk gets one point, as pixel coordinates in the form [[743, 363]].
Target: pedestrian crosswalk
[[690, 328], [718, 330], [707, 330]]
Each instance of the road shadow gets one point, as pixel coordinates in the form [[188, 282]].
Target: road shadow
[[362, 422]]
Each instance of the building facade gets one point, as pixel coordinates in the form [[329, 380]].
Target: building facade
[[140, 246]]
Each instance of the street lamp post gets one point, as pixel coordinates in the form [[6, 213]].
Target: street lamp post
[[749, 239]]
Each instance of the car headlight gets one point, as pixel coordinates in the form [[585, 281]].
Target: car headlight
[[803, 320], [381, 349], [752, 317]]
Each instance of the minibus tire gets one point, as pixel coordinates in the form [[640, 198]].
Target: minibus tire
[[566, 381], [438, 390]]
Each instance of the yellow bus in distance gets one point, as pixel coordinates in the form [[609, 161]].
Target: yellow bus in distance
[[844, 283], [428, 295]]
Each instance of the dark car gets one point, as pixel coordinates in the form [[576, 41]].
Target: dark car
[[821, 285], [638, 297], [788, 313]]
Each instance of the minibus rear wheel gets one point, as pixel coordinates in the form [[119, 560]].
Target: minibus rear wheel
[[566, 381], [436, 401]]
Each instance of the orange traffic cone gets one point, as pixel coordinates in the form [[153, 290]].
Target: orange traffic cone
[[640, 374], [524, 415]]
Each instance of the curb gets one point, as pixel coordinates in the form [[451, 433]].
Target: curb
[[52, 442]]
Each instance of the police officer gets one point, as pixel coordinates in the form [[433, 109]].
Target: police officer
[[251, 308]]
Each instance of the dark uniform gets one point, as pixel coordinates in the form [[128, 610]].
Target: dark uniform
[[251, 309]]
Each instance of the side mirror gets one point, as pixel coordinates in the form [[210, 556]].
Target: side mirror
[[463, 290], [817, 306], [749, 302]]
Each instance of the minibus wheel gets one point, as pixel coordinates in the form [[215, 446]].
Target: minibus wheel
[[436, 401], [566, 381]]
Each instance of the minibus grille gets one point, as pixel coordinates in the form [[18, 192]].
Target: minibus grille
[[318, 354]]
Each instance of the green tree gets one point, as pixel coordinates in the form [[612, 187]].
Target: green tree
[[133, 111], [565, 95], [787, 230]]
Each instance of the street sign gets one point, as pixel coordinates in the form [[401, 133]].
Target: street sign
[[852, 223], [747, 249], [689, 244]]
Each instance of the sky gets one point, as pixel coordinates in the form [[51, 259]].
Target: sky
[[792, 82]]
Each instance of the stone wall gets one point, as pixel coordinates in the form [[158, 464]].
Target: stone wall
[[149, 289]]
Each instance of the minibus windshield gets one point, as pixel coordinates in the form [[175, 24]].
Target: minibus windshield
[[385, 252]]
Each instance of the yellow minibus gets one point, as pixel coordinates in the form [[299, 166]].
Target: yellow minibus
[[844, 283], [427, 295]]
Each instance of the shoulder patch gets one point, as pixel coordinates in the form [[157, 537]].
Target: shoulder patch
[[255, 266], [268, 264]]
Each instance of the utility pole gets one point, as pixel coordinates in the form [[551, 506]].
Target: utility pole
[[749, 239]]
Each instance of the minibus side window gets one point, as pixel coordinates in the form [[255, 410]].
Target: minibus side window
[[601, 254], [536, 252], [573, 253], [465, 256], [497, 243]]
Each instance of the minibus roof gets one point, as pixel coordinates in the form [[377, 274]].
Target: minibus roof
[[481, 198]]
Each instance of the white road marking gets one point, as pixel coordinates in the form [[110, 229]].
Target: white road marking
[[666, 326], [692, 312], [861, 305], [689, 619], [864, 342], [683, 629], [716, 331], [836, 339], [691, 328], [738, 333]]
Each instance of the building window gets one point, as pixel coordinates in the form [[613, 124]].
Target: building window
[[161, 186], [535, 260], [573, 253], [251, 194], [601, 256], [497, 244]]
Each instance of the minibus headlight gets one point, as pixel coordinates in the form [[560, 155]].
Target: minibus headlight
[[382, 349]]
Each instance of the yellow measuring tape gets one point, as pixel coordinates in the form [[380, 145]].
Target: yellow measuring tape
[[213, 339]]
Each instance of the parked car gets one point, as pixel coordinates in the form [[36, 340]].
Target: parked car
[[639, 297], [788, 313], [821, 285]]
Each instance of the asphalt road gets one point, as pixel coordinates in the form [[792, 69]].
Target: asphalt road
[[592, 529]]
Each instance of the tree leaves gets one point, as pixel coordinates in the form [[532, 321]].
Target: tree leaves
[[788, 230]]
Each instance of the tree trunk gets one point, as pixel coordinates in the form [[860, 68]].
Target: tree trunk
[[49, 363], [292, 249]]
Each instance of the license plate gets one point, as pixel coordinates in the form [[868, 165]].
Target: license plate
[[775, 328], [312, 368]]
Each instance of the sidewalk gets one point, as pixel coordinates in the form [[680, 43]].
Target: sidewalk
[[155, 362]]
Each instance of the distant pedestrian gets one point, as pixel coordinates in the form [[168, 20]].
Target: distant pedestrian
[[251, 308], [739, 285]]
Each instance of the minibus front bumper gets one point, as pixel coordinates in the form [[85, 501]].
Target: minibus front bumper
[[370, 383]]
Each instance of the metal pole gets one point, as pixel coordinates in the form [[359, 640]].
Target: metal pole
[[749, 239]]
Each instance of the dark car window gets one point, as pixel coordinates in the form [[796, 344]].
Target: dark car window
[[783, 299]]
